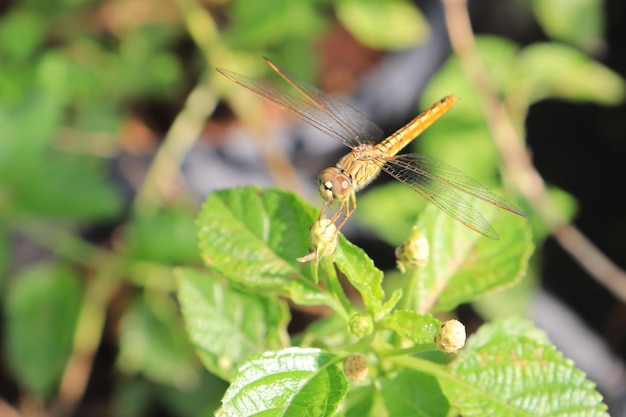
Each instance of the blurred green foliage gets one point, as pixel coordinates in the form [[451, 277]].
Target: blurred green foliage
[[74, 75]]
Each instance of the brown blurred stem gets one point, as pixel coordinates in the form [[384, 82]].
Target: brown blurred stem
[[516, 163]]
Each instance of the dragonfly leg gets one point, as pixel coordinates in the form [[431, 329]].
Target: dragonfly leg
[[325, 206], [348, 207], [345, 210]]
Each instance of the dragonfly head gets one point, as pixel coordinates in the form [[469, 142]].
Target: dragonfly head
[[334, 185]]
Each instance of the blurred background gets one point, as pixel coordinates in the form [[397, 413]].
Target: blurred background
[[115, 126]]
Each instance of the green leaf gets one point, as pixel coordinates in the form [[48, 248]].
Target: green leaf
[[566, 205], [228, 326], [419, 328], [163, 235], [404, 24], [143, 68], [41, 310], [41, 180], [579, 22], [498, 56], [559, 71], [499, 330], [509, 302], [390, 210], [291, 382], [66, 187], [360, 270], [328, 333], [252, 238], [539, 71], [197, 397], [259, 25], [21, 32], [463, 264], [502, 372], [153, 343], [461, 138], [413, 393], [363, 401], [24, 144]]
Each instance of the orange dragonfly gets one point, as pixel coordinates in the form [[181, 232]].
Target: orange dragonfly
[[372, 152]]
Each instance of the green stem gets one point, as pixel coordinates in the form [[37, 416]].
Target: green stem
[[427, 347], [406, 303], [423, 365], [334, 286]]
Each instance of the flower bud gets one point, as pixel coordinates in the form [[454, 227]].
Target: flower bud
[[355, 366], [414, 252], [361, 325], [450, 337], [323, 240]]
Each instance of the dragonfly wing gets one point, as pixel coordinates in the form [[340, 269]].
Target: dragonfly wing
[[441, 183], [330, 115], [418, 165]]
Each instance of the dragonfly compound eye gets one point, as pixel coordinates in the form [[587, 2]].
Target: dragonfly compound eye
[[333, 185]]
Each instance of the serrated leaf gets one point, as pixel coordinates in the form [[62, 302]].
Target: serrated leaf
[[404, 24], [419, 328], [153, 343], [506, 374], [252, 238], [291, 382], [41, 310], [228, 326], [499, 330], [578, 22], [560, 71], [360, 270], [413, 393], [463, 264]]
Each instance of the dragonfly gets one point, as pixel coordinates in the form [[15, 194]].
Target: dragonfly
[[373, 152]]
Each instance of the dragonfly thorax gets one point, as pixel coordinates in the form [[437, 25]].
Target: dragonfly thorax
[[334, 185]]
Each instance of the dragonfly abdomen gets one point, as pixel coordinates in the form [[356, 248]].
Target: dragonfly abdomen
[[403, 136]]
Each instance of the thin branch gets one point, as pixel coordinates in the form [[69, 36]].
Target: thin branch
[[516, 162], [164, 179]]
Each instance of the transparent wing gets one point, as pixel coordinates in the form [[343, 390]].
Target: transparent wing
[[330, 115], [440, 183]]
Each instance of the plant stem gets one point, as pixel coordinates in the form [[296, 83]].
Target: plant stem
[[334, 286], [406, 303], [422, 365], [407, 351]]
